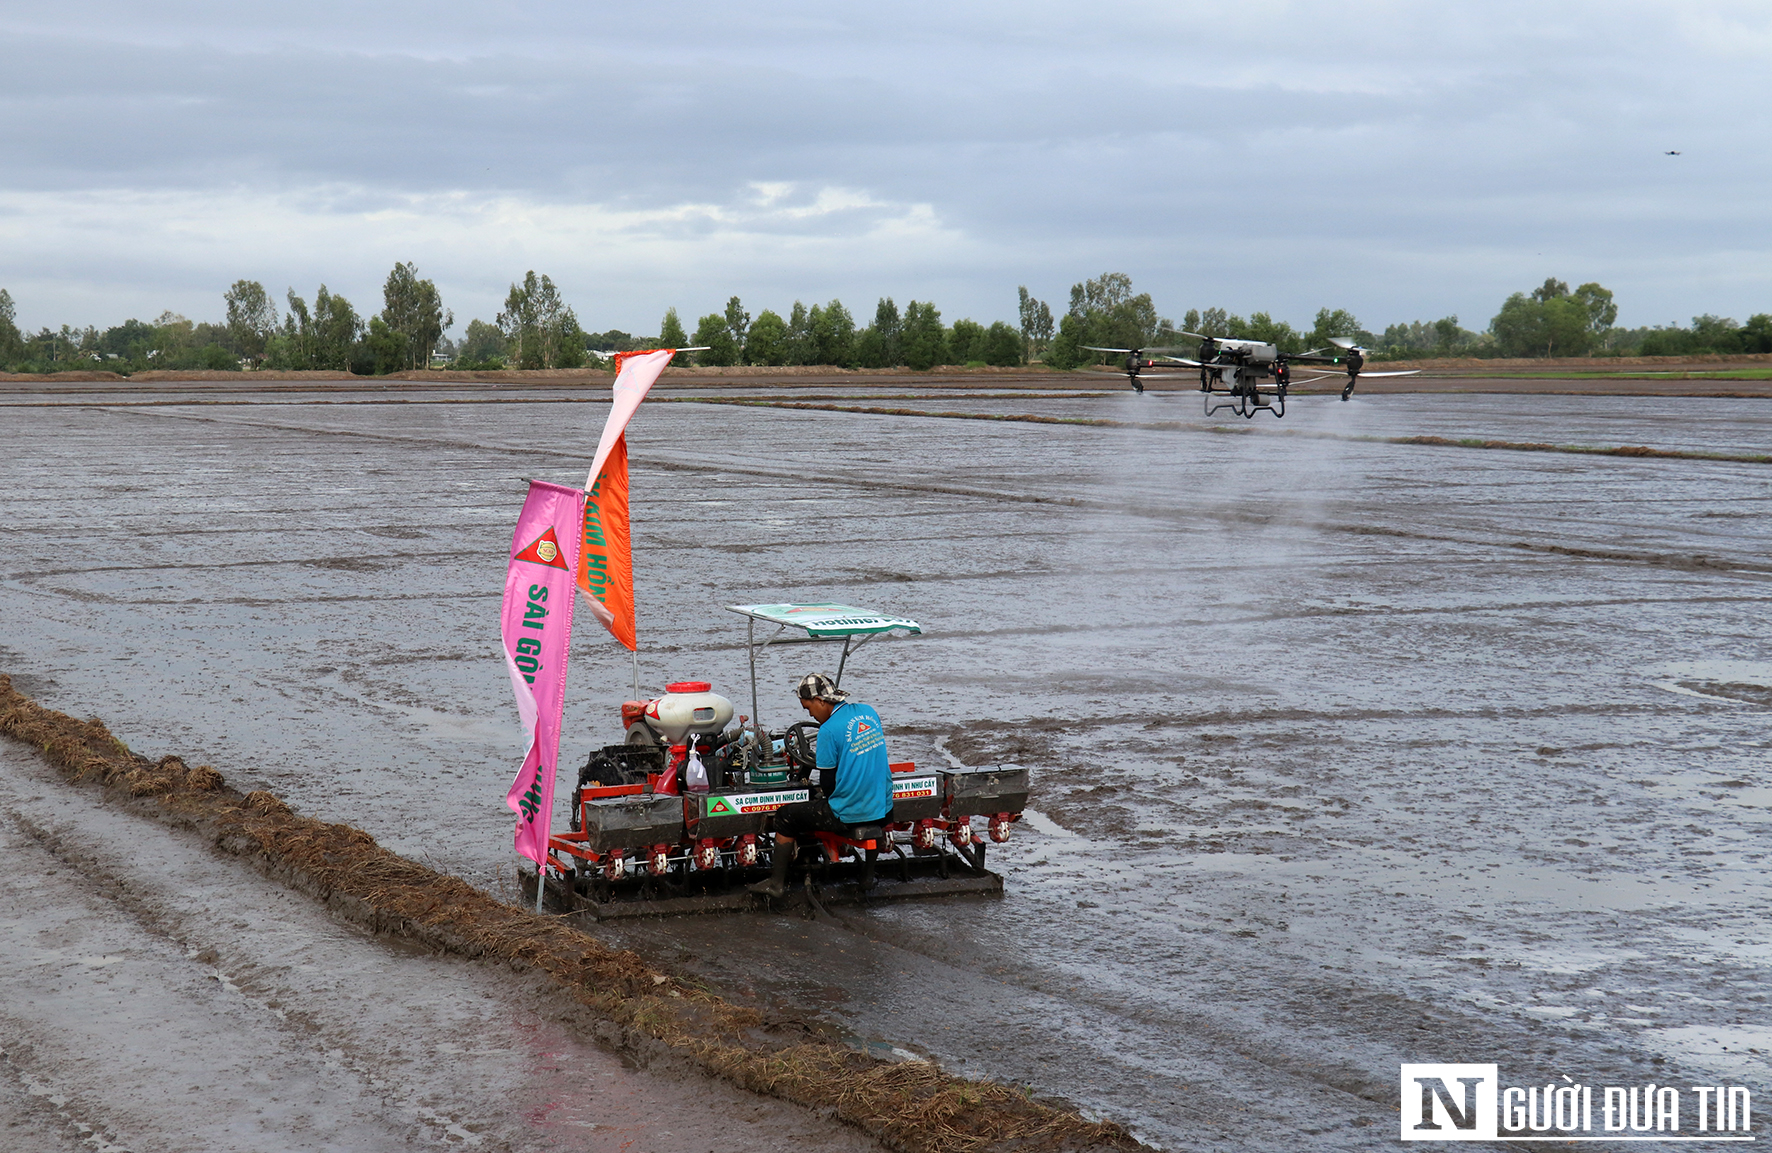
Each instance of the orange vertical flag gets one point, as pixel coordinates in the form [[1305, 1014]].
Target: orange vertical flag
[[606, 557]]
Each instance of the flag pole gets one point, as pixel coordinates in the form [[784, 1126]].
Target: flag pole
[[636, 656]]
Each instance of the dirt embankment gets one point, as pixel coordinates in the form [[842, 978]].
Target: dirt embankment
[[1470, 365], [911, 1106], [746, 372]]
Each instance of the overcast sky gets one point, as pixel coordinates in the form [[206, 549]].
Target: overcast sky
[[1401, 160]]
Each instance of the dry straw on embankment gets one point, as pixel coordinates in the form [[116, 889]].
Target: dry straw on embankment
[[911, 1106]]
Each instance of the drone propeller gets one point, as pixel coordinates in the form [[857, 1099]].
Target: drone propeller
[[1121, 351], [1344, 342]]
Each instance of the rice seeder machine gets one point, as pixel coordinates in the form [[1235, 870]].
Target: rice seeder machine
[[677, 817]]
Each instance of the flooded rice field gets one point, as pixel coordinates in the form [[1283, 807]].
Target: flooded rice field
[[1344, 753]]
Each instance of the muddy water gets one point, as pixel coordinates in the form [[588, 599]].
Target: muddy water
[[1344, 753], [160, 998]]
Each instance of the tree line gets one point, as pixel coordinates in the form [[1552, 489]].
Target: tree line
[[536, 328], [327, 335]]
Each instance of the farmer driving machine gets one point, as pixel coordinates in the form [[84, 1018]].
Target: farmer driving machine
[[677, 817]]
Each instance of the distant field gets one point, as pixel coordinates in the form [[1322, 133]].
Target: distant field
[[1760, 373]]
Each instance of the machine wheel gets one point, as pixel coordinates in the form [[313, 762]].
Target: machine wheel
[[802, 753]]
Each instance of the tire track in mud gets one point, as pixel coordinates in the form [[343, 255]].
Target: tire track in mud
[[655, 1018], [1247, 430], [1234, 517], [258, 402]]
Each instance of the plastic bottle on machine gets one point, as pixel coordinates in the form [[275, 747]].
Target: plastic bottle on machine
[[695, 773]]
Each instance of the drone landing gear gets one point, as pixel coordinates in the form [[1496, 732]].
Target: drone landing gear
[[1347, 390], [1246, 400]]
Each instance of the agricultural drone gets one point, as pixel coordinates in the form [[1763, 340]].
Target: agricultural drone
[[1248, 363]]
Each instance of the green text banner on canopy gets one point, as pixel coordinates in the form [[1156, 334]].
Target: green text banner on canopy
[[828, 620]]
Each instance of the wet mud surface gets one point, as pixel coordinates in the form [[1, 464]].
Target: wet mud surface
[[1344, 753], [163, 997]]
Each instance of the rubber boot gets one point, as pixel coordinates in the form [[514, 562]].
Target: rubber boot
[[777, 884]]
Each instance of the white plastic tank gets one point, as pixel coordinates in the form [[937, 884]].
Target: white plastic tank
[[688, 707]]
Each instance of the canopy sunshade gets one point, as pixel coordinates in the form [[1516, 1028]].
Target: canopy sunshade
[[820, 621], [828, 620]]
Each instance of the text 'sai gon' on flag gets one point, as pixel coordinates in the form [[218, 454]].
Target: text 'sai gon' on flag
[[537, 630]]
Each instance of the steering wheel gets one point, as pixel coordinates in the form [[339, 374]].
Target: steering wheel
[[802, 752]]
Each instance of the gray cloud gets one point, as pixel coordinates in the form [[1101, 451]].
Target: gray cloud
[[1403, 160]]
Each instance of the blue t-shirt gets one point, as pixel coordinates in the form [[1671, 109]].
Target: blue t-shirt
[[853, 743]]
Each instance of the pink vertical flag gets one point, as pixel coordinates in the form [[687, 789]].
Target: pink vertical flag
[[537, 628]]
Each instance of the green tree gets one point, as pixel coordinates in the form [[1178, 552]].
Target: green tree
[[518, 324], [1003, 346], [870, 350], [539, 326], [291, 348], [714, 332], [833, 335], [1756, 334], [1443, 337], [924, 339], [881, 344], [252, 318], [323, 338], [1552, 321], [483, 346], [413, 312], [738, 322], [1036, 324], [130, 342], [1278, 333], [766, 341], [1597, 303], [671, 335], [176, 335], [337, 329], [1109, 315], [801, 347], [1213, 322], [1519, 327], [385, 349], [615, 340], [1102, 294], [966, 342], [1066, 350], [1338, 322], [12, 343]]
